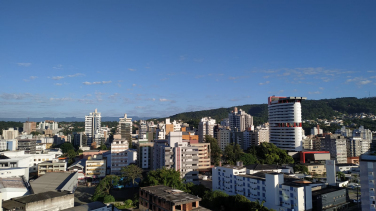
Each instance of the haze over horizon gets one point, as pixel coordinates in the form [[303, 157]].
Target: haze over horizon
[[64, 59]]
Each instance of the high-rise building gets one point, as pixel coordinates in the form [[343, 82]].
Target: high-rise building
[[29, 127], [125, 128], [224, 138], [285, 122], [92, 125], [52, 125], [143, 128], [336, 145], [121, 156], [354, 147], [239, 121], [11, 133], [205, 127], [367, 182], [366, 138]]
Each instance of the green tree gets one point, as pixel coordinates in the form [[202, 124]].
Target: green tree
[[341, 176], [128, 203], [66, 147], [35, 133], [104, 186], [248, 158], [232, 153], [301, 168], [215, 150], [268, 153], [197, 190], [167, 177], [103, 147], [108, 199], [131, 173]]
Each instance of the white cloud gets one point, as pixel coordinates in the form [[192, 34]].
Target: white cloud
[[33, 77], [359, 81], [312, 93], [58, 84], [87, 83], [321, 88], [11, 96], [57, 77], [163, 100], [24, 64], [106, 82], [130, 69], [58, 67], [61, 99], [370, 71], [97, 82], [134, 85], [76, 75]]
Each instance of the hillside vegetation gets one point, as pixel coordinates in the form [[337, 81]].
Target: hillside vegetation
[[311, 109]]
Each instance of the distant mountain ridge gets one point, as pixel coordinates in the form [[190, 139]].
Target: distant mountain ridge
[[311, 109], [67, 119]]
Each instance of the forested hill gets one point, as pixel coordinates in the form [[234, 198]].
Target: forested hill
[[311, 109]]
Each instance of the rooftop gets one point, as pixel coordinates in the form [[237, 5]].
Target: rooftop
[[21, 201], [169, 194], [326, 190], [53, 181], [264, 167], [233, 167], [86, 207], [346, 164], [12, 182], [368, 158]]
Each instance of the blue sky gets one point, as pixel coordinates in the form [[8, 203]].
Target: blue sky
[[159, 58]]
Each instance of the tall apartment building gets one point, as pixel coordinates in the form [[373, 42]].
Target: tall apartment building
[[125, 128], [160, 132], [121, 156], [239, 120], [224, 138], [205, 127], [316, 131], [354, 147], [29, 127], [11, 133], [346, 132], [3, 145], [285, 122], [368, 182], [143, 128], [27, 145], [179, 155], [92, 125], [145, 155], [203, 156], [336, 145], [366, 138], [261, 134]]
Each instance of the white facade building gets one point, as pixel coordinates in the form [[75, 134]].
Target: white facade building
[[279, 192], [92, 125], [316, 131], [205, 127], [15, 172], [119, 155], [48, 125], [285, 122], [11, 133]]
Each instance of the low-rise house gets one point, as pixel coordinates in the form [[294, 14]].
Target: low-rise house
[[54, 165], [13, 187], [166, 198], [47, 201]]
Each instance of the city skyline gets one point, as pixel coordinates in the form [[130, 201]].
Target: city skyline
[[65, 59]]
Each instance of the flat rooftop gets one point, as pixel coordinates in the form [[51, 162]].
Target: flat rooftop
[[328, 189], [85, 207], [12, 182], [233, 167], [169, 194], [21, 201], [52, 181], [264, 167]]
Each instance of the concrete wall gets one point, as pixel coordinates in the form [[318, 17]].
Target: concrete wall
[[54, 204]]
